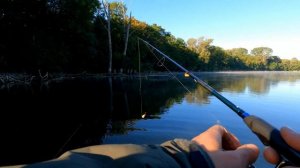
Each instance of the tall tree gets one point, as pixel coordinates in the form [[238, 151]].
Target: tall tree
[[262, 54], [126, 29], [262, 51], [203, 49], [192, 44], [200, 46], [107, 16], [238, 52], [274, 63], [127, 25]]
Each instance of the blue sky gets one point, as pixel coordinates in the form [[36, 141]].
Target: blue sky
[[231, 23]]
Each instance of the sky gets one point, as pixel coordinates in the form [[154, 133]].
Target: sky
[[231, 23]]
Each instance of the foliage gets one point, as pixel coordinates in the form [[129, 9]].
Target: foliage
[[70, 36], [47, 34]]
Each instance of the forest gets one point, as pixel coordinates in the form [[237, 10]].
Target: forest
[[74, 36]]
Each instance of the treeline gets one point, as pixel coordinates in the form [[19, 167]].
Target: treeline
[[73, 36], [260, 58]]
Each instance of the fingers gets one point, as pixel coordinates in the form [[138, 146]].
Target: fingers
[[242, 157], [217, 138], [211, 139], [230, 142], [271, 155], [249, 152], [291, 138]]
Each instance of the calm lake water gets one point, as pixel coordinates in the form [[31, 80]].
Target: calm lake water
[[39, 123]]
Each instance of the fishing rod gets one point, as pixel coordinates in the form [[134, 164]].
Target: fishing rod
[[268, 134]]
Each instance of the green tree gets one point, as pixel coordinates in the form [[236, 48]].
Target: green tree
[[201, 47], [192, 44], [261, 56], [71, 36], [274, 63], [217, 60], [20, 22], [52, 35], [238, 52], [294, 64], [262, 51]]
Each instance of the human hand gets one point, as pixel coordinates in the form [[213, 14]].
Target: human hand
[[225, 149], [291, 138]]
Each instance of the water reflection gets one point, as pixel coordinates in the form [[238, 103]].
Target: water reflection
[[239, 82], [39, 123]]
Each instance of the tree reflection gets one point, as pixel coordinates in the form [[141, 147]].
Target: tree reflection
[[74, 113], [199, 96], [255, 82]]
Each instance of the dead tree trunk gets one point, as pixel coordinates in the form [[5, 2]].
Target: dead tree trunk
[[127, 26], [127, 29], [107, 14]]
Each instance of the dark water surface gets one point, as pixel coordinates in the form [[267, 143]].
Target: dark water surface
[[41, 122]]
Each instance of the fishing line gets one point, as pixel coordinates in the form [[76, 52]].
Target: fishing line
[[68, 140], [174, 76], [143, 115], [161, 63], [268, 134]]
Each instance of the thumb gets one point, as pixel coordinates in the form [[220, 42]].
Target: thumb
[[248, 153]]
